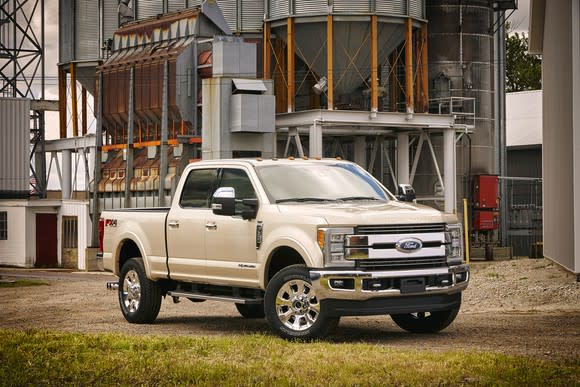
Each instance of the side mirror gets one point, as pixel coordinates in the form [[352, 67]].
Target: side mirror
[[406, 193], [224, 201]]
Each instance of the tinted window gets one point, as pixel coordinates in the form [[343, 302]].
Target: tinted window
[[198, 188]]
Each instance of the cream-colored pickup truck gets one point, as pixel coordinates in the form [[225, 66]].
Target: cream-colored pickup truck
[[301, 242]]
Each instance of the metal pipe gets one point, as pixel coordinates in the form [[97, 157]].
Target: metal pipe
[[403, 158], [73, 96], [66, 174], [449, 168], [98, 156], [466, 230], [330, 61], [130, 137], [84, 123], [374, 65], [409, 65], [164, 135]]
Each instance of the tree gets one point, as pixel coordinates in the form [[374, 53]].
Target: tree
[[523, 70]]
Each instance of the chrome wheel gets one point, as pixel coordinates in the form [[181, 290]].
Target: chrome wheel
[[131, 293], [297, 307]]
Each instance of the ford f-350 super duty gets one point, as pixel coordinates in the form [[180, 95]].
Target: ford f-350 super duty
[[299, 241]]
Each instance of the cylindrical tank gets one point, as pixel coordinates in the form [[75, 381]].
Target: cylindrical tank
[[461, 64]]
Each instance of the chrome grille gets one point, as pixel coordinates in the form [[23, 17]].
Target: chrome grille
[[402, 263], [400, 228]]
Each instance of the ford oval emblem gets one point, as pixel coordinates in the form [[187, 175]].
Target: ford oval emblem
[[408, 245]]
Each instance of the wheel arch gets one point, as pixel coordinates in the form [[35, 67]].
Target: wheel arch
[[281, 257], [127, 249]]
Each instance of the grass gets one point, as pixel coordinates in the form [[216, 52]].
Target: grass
[[20, 283], [47, 358]]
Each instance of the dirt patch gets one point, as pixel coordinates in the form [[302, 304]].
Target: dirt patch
[[526, 306]]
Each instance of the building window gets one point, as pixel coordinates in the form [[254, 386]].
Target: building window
[[3, 226], [70, 232]]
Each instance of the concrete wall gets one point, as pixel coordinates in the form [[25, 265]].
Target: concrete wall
[[561, 132]]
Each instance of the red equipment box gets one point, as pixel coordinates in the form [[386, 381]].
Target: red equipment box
[[485, 191], [485, 220]]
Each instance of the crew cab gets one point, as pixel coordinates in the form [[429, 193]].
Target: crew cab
[[300, 242]]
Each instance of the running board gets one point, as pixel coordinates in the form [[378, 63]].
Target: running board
[[202, 296]]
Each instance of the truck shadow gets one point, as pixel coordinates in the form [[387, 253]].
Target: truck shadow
[[346, 333]]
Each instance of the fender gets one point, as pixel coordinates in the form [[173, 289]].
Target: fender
[[129, 236]]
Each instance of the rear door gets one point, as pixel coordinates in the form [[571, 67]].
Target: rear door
[[186, 226]]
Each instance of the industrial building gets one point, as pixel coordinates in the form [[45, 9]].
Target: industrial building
[[409, 89]]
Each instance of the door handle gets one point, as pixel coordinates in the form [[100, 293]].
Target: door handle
[[173, 223], [211, 226]]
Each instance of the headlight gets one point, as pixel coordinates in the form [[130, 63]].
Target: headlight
[[454, 243], [331, 242]]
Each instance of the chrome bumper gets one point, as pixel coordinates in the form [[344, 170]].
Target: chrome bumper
[[393, 283]]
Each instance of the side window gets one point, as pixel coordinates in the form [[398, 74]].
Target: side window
[[239, 180], [198, 188]]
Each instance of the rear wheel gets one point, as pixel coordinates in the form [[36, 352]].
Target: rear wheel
[[139, 297], [292, 307], [425, 322]]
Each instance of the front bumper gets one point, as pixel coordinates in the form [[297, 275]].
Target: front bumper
[[388, 291]]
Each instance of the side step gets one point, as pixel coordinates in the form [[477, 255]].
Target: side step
[[203, 296]]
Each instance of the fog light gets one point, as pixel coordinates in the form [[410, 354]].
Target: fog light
[[346, 284]]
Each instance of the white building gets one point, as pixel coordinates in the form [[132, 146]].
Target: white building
[[44, 233]]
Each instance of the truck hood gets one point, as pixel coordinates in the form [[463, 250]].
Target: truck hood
[[368, 212]]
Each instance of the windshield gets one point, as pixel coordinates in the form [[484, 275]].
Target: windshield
[[319, 182]]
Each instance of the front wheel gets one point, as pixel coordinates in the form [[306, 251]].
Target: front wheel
[[139, 297], [292, 308], [425, 322]]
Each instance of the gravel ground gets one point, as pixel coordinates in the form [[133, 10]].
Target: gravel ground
[[528, 307]]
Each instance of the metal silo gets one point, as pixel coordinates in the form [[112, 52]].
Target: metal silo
[[461, 66]]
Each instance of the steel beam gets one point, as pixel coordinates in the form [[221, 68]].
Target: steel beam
[[266, 52], [290, 60]]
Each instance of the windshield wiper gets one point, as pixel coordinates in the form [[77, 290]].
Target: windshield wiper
[[302, 200], [357, 198]]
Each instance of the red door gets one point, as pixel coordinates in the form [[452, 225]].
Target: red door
[[46, 241]]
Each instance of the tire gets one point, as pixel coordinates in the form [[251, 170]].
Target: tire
[[251, 310], [139, 297], [426, 322], [292, 308]]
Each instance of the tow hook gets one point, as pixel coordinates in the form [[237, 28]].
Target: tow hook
[[112, 285]]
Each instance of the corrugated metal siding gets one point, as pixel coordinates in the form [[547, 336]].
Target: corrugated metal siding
[[86, 29], [193, 3], [309, 7], [14, 146], [176, 5], [252, 15], [352, 7], [278, 8], [416, 8], [230, 11], [392, 7], [110, 18], [148, 8]]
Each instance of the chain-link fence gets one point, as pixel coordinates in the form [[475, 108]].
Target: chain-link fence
[[524, 215]]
